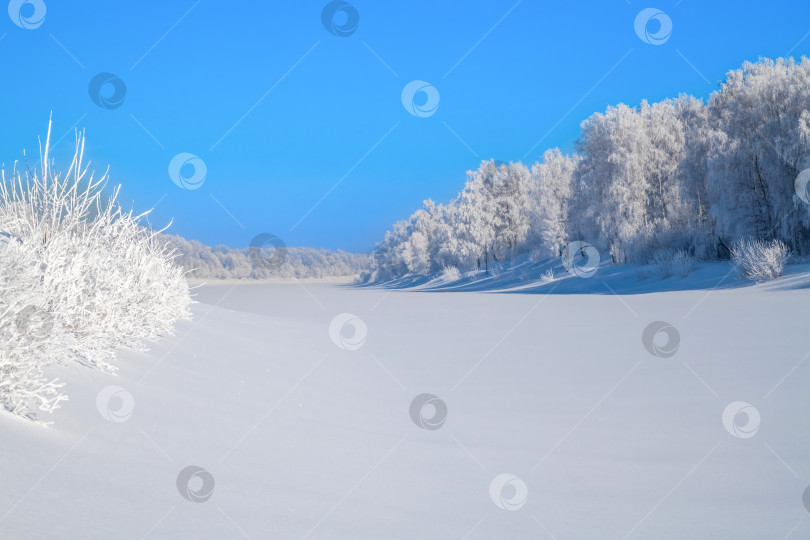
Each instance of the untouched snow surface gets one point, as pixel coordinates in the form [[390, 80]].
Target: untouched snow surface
[[305, 439]]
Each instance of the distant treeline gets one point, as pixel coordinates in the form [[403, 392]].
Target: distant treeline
[[222, 262]]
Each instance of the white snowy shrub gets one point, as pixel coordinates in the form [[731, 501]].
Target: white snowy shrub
[[668, 262], [683, 263], [79, 278], [450, 274], [760, 260], [547, 276], [663, 263]]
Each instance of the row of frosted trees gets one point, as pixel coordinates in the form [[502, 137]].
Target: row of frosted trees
[[222, 262], [679, 174]]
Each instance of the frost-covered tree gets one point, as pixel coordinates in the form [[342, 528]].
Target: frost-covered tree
[[549, 196], [693, 217], [763, 111], [613, 182], [477, 221], [494, 209]]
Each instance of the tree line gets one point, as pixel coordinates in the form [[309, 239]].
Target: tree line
[[681, 174]]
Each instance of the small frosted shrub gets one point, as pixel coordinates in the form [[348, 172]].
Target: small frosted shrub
[[667, 263], [450, 274], [79, 278], [759, 260]]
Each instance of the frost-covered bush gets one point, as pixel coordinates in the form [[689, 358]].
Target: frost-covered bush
[[683, 263], [450, 274], [79, 278], [760, 260], [663, 264], [547, 276], [668, 263]]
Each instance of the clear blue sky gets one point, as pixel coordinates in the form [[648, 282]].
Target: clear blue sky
[[502, 86]]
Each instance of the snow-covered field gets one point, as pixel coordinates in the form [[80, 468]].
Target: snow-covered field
[[307, 435]]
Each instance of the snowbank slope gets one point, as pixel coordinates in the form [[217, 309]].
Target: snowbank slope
[[305, 439]]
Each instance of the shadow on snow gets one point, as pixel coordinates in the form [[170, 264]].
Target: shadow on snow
[[528, 278]]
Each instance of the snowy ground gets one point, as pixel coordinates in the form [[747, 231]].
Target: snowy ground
[[304, 439]]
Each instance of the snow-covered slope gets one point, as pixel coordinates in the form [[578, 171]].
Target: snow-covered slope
[[305, 439]]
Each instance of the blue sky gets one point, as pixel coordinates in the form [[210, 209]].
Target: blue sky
[[281, 111]]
